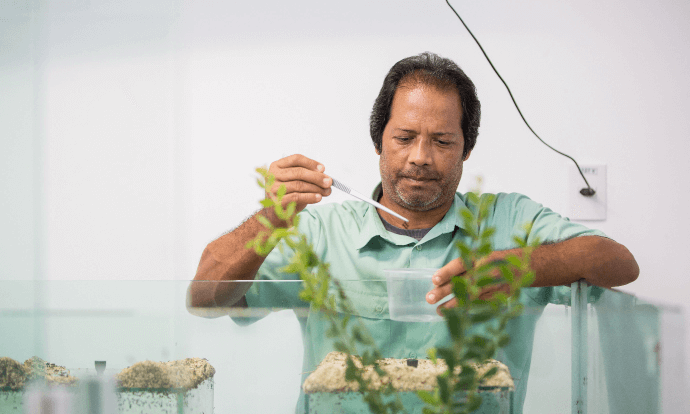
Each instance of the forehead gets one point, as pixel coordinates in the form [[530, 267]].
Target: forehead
[[428, 104]]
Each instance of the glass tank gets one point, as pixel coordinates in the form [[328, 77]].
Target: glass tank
[[161, 347]]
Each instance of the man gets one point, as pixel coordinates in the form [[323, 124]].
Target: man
[[424, 126]]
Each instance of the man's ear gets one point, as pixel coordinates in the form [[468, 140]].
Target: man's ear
[[468, 155], [378, 151]]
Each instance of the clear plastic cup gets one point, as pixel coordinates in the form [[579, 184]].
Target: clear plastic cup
[[407, 289]]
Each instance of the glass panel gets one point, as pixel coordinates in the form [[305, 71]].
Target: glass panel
[[271, 348], [626, 337], [549, 386], [254, 351]]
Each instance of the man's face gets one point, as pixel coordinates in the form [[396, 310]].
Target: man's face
[[421, 150]]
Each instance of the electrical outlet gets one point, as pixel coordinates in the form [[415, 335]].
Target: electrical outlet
[[587, 207]]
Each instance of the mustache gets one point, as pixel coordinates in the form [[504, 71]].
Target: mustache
[[418, 174]]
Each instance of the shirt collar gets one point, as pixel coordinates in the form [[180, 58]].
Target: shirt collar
[[372, 227]]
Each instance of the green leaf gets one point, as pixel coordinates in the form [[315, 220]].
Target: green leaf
[[368, 358], [449, 356], [427, 397], [341, 347], [261, 183], [489, 351], [520, 241], [263, 220], [507, 274], [465, 383], [280, 212], [443, 388], [471, 230], [503, 340], [281, 192], [465, 254], [488, 200], [527, 227], [480, 341], [291, 209], [270, 180], [514, 260], [307, 297], [473, 198], [454, 324], [500, 298], [357, 334], [485, 281], [473, 354], [474, 401], [280, 232], [312, 259], [267, 202], [487, 233], [460, 285], [527, 279], [431, 352], [490, 373], [482, 316], [467, 216], [467, 371], [350, 370], [250, 244], [291, 268], [484, 249]]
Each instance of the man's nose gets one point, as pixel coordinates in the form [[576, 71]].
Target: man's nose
[[421, 152]]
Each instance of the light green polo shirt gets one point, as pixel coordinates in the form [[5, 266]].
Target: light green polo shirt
[[351, 238]]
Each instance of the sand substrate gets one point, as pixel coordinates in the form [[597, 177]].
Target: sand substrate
[[329, 376]]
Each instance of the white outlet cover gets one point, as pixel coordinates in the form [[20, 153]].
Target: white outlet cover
[[592, 208]]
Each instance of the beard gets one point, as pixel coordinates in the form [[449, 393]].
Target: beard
[[419, 188]]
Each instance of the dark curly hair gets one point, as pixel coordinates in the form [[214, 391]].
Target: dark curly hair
[[433, 70]]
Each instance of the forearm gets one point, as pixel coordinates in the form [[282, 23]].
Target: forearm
[[227, 259], [598, 260]]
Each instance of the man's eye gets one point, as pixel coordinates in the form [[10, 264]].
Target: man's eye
[[403, 139], [444, 143]]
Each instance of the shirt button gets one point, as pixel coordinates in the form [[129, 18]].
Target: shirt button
[[379, 309], [419, 247]]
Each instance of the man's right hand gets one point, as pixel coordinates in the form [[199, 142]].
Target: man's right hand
[[228, 259], [303, 178]]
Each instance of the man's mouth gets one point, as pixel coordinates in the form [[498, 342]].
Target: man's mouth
[[419, 179], [417, 182]]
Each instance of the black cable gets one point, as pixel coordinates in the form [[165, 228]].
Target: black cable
[[589, 191]]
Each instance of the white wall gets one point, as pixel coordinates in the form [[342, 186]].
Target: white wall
[[130, 130]]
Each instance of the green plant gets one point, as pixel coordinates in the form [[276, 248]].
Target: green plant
[[457, 388], [456, 391], [317, 279]]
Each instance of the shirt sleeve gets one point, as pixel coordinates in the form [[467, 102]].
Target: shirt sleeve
[[517, 210], [547, 225], [274, 289]]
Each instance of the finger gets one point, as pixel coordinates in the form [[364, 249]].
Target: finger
[[442, 280], [285, 175], [443, 275], [489, 291], [439, 293], [446, 305], [302, 199], [298, 160], [301, 187]]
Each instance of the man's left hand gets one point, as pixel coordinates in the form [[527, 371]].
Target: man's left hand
[[444, 286]]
